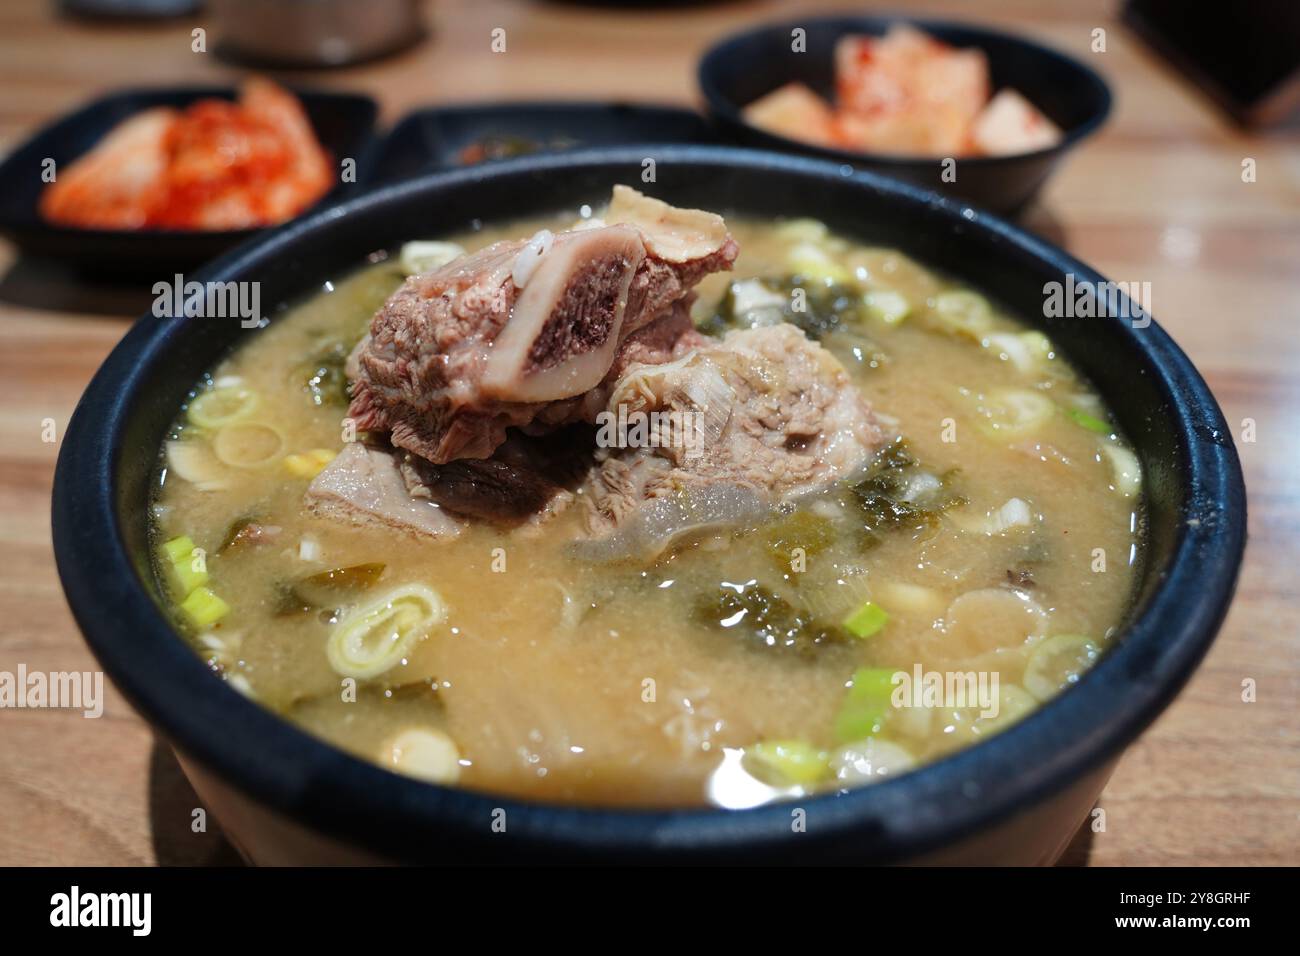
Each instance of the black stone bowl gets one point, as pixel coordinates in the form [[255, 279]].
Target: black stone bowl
[[282, 795], [747, 65]]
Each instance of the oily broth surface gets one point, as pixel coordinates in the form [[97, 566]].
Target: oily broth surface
[[559, 681]]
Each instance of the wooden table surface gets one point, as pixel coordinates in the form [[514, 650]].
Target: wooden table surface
[[1157, 197]]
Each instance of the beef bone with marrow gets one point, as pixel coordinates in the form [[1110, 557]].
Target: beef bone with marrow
[[541, 334], [491, 340], [526, 479]]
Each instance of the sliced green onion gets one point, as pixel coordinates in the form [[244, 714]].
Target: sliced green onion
[[1090, 422], [887, 305], [248, 444], [915, 599], [1013, 703], [1057, 663], [787, 762], [203, 608], [751, 300], [1010, 347], [376, 637], [865, 761], [178, 549], [309, 464], [221, 405], [193, 460], [866, 705], [987, 620], [802, 230], [812, 262], [1014, 513], [1128, 471], [424, 255], [866, 620], [1038, 343], [179, 563], [424, 753], [1013, 412], [965, 313]]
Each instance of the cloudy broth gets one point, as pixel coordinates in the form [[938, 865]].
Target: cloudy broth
[[655, 684]]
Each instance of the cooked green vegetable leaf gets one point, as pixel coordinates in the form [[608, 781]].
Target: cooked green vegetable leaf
[[888, 501], [813, 533], [246, 527], [765, 619], [817, 306], [827, 306], [324, 589], [323, 378]]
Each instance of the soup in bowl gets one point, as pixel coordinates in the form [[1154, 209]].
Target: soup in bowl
[[600, 510]]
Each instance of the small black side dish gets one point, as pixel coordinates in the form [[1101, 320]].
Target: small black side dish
[[437, 138], [745, 66], [344, 124]]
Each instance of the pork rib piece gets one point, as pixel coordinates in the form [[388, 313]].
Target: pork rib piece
[[526, 480], [762, 417], [489, 341]]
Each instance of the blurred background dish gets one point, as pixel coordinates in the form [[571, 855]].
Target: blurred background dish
[[341, 122], [750, 65], [444, 136], [1249, 65], [214, 165], [126, 10], [314, 33], [907, 94]]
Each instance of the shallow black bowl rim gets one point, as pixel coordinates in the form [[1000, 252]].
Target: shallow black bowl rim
[[488, 109], [722, 106], [547, 105], [286, 769]]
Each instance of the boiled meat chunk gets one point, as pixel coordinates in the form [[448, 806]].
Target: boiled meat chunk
[[458, 355], [774, 417], [364, 486], [498, 388]]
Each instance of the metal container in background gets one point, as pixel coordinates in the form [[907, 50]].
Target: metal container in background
[[314, 33]]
